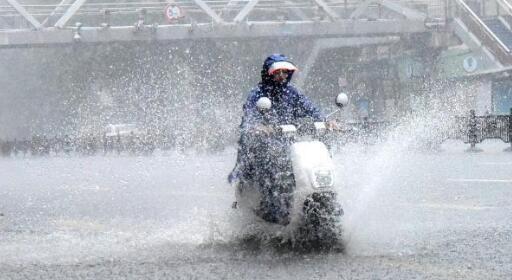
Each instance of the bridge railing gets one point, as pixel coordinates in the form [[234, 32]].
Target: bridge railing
[[483, 32], [123, 13], [504, 11]]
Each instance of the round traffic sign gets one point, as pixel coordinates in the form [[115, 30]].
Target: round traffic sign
[[173, 12], [470, 64]]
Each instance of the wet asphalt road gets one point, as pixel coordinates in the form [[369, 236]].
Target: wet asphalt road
[[409, 215]]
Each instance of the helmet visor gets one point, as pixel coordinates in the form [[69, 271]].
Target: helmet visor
[[281, 65]]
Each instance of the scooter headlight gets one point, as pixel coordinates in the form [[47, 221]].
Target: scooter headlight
[[323, 178]]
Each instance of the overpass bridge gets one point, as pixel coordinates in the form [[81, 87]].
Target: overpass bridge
[[30, 23], [481, 29], [463, 38]]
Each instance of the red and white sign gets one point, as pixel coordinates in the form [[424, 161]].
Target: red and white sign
[[173, 13]]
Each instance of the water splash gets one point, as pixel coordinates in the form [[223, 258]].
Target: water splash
[[379, 180]]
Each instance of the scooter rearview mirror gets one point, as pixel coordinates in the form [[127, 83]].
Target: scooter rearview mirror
[[263, 104], [341, 100]]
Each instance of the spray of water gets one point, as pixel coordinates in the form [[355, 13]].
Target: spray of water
[[378, 179]]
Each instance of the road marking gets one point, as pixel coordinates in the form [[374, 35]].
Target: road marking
[[455, 206], [75, 224], [451, 206], [496, 163], [481, 180]]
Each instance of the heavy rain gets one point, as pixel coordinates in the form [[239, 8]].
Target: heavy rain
[[121, 121]]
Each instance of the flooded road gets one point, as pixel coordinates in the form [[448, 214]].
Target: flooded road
[[409, 215]]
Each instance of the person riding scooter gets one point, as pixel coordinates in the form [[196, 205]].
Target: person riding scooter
[[256, 148], [288, 104]]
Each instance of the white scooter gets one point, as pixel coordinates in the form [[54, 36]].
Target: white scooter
[[293, 192]]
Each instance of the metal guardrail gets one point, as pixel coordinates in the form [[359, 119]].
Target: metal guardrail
[[475, 129], [469, 129], [367, 131]]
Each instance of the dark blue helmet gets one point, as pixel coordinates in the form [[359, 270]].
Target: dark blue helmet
[[276, 62]]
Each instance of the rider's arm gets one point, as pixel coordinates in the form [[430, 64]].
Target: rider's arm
[[251, 116], [307, 108], [310, 110]]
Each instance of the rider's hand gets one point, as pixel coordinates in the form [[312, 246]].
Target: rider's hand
[[333, 125], [263, 129]]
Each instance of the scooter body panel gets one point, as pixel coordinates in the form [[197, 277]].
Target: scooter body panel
[[308, 159]]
